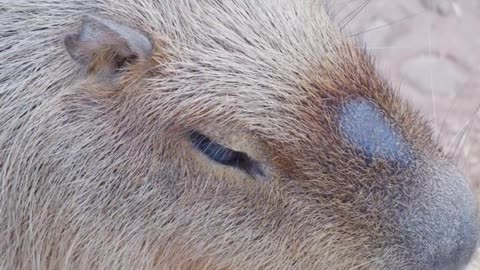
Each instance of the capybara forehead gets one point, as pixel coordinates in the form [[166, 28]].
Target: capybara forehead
[[288, 99]]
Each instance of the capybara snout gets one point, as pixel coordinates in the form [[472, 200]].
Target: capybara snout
[[433, 234], [213, 135]]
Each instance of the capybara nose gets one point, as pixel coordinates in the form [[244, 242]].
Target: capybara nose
[[442, 227], [458, 248]]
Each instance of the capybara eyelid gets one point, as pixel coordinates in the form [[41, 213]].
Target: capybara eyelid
[[219, 153]]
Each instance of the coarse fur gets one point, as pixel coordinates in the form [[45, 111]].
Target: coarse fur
[[97, 170]]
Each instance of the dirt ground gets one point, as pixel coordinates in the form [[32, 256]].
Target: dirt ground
[[431, 51]]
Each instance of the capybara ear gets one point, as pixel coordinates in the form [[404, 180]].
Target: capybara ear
[[105, 46]]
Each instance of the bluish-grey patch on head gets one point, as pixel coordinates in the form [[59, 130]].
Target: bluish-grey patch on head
[[364, 125]]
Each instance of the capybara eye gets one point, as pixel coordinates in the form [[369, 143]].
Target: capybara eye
[[217, 152], [223, 155]]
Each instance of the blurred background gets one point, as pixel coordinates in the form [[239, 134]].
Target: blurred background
[[431, 51]]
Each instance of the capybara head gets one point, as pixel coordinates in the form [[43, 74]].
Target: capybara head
[[168, 134]]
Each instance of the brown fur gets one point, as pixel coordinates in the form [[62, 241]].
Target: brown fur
[[97, 170]]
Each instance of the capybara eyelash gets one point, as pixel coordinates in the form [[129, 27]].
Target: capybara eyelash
[[218, 152], [224, 155]]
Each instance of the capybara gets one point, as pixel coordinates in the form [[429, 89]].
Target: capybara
[[207, 134]]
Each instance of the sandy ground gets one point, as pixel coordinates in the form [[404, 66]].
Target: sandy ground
[[430, 49]]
